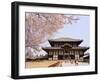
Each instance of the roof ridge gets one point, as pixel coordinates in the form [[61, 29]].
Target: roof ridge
[[65, 39]]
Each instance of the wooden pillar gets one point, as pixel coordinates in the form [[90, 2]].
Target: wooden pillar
[[76, 55]]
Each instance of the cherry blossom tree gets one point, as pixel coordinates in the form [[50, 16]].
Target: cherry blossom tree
[[41, 26]]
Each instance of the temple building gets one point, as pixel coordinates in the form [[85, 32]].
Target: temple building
[[65, 48]]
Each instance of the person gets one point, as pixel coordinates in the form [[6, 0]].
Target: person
[[76, 61]]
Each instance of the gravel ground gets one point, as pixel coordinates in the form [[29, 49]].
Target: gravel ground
[[57, 63], [71, 63]]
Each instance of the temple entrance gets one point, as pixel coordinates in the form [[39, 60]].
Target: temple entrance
[[72, 56], [60, 57]]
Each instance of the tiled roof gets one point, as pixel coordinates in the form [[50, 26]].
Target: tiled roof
[[52, 48], [65, 39], [80, 47], [85, 48]]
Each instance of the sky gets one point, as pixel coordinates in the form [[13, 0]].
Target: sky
[[79, 30]]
